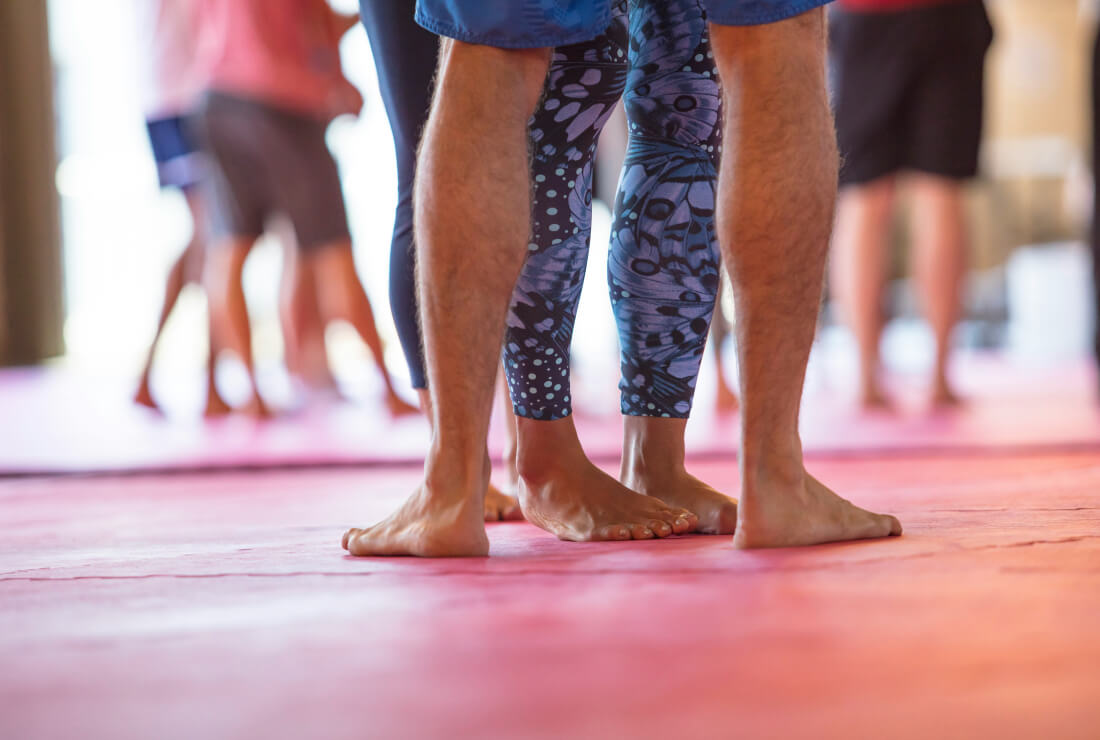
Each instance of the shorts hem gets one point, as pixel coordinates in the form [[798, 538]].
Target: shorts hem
[[734, 18], [501, 41], [868, 178]]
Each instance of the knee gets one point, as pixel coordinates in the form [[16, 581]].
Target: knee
[[875, 199], [769, 48], [507, 74]]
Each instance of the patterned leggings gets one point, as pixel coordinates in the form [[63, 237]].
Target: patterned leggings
[[663, 266]]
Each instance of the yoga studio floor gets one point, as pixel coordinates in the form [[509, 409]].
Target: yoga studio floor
[[218, 604]]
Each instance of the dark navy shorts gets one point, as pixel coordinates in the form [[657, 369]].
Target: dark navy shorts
[[179, 158], [267, 161], [532, 24]]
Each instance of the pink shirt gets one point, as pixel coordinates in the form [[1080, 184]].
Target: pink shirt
[[279, 52], [168, 35]]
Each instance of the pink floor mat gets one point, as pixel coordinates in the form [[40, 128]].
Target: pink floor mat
[[59, 420], [220, 606]]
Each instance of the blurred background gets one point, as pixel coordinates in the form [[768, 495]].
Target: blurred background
[[87, 235]]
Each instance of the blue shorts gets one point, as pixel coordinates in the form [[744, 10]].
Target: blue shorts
[[533, 24], [180, 161]]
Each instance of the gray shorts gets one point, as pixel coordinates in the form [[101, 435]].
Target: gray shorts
[[270, 161]]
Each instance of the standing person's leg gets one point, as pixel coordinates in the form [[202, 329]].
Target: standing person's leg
[[777, 189], [230, 327], [472, 222], [304, 351], [939, 267], [304, 186], [663, 264], [237, 194], [857, 270], [341, 296], [406, 57], [559, 487], [942, 147], [873, 59]]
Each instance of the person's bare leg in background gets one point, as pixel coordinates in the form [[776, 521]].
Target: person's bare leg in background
[[939, 266], [185, 270], [472, 222], [777, 191], [858, 269], [229, 322], [340, 295]]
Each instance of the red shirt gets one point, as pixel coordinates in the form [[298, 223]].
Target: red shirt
[[280, 52], [876, 6]]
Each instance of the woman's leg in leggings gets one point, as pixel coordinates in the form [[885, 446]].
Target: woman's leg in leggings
[[406, 57], [663, 266], [560, 489]]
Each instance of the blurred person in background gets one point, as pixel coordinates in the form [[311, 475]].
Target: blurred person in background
[[168, 34], [721, 328], [908, 84], [274, 83]]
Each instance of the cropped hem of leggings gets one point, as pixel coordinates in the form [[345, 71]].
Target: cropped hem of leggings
[[756, 12], [509, 24]]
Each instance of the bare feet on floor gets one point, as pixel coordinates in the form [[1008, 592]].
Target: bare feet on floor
[[561, 491], [583, 504], [716, 511], [440, 522], [791, 511], [500, 507]]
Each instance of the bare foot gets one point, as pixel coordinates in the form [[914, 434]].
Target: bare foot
[[561, 491], [499, 506], [943, 396], [871, 398], [397, 407], [717, 512], [432, 523], [586, 504], [144, 397], [256, 408], [786, 512], [216, 406]]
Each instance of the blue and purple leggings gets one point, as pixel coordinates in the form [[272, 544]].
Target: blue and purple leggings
[[663, 265]]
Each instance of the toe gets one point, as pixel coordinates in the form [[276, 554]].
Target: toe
[[895, 526], [641, 532], [684, 522], [661, 529], [616, 532], [347, 537]]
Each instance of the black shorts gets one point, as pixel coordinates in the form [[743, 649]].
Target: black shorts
[[177, 153], [907, 89], [268, 161]]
